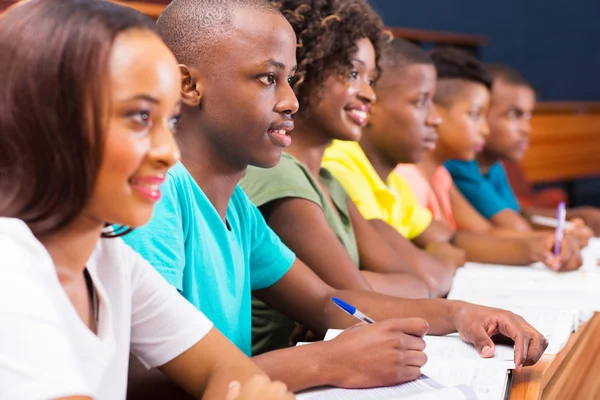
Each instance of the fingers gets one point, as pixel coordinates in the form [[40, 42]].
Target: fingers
[[259, 387], [408, 374], [570, 257], [512, 327], [537, 343], [409, 342], [411, 326], [483, 342], [415, 358]]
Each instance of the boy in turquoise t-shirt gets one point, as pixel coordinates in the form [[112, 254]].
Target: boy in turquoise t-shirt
[[484, 182], [186, 226], [237, 60]]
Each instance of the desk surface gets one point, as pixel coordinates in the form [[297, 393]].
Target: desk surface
[[572, 374]]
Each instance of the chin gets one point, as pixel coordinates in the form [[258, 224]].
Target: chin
[[269, 162], [349, 135]]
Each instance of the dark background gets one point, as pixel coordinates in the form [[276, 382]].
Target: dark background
[[552, 42]]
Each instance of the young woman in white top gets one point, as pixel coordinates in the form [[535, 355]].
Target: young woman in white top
[[88, 109]]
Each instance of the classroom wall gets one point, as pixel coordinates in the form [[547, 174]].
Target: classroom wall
[[552, 42]]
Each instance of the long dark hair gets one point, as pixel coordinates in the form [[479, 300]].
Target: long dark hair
[[54, 69]]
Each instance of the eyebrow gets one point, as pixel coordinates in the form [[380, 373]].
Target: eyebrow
[[144, 97], [277, 64], [359, 61]]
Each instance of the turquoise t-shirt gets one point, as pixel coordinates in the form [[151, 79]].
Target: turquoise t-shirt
[[489, 193], [213, 266]]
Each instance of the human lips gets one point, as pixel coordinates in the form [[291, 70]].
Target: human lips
[[429, 142], [279, 133], [358, 114], [148, 186]]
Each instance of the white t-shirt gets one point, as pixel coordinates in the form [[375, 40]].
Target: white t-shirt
[[46, 351]]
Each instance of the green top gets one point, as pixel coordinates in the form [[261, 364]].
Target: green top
[[290, 178]]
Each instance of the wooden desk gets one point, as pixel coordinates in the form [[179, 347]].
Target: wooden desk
[[572, 374]]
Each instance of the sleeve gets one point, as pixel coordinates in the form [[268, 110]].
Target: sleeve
[[270, 259], [162, 240], [264, 185], [479, 191], [37, 360], [163, 323], [416, 217], [505, 188], [358, 190]]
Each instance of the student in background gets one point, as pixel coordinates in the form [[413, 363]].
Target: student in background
[[483, 181], [207, 239], [405, 109], [87, 136], [303, 203], [462, 101]]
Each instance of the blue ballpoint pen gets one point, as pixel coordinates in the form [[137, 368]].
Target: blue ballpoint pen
[[560, 227], [352, 311]]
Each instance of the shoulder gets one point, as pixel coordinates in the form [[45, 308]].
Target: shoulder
[[463, 170], [442, 178], [497, 171], [341, 154], [288, 179], [27, 277]]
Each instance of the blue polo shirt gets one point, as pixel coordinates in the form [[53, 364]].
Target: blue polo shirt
[[215, 266], [489, 193]]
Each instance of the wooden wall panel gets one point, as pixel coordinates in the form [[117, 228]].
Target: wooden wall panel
[[565, 143]]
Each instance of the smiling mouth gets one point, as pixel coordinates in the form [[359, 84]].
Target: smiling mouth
[[359, 117]]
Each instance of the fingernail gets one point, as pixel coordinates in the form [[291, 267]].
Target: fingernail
[[485, 350]]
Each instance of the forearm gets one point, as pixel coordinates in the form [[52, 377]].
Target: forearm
[[436, 274], [406, 285], [222, 376], [494, 250], [438, 313], [299, 367]]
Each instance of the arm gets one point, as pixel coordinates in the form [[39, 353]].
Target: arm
[[302, 226], [435, 273], [466, 216], [510, 251], [474, 323], [510, 219], [209, 366]]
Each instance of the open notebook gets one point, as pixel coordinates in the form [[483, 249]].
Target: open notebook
[[454, 370]]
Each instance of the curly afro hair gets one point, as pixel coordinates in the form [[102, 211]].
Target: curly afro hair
[[327, 32]]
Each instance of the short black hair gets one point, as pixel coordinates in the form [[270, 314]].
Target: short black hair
[[192, 28], [327, 32], [401, 53], [454, 64], [507, 75]]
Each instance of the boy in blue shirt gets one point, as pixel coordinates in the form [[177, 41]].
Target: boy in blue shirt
[[209, 241], [484, 182]]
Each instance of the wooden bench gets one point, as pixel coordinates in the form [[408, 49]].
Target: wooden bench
[[565, 142]]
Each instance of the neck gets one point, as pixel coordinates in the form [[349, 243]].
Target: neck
[[71, 247], [485, 161], [430, 163], [380, 163], [211, 170], [308, 144]]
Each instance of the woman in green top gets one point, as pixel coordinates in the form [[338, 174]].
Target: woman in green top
[[338, 50]]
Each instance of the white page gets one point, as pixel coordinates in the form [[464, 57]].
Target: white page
[[412, 390], [452, 351], [486, 383]]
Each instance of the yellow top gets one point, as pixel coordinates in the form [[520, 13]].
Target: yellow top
[[392, 201]]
